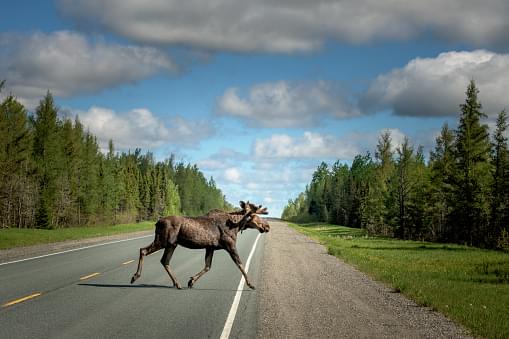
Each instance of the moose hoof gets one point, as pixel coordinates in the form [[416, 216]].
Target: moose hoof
[[177, 285], [190, 283], [133, 279], [251, 287]]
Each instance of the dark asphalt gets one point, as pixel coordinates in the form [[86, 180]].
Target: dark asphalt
[[108, 306]]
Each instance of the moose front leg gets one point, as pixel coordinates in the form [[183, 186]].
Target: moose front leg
[[153, 247], [235, 257], [209, 253]]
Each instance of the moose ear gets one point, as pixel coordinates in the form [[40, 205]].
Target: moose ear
[[242, 204]]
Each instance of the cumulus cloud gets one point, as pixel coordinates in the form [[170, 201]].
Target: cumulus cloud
[[67, 63], [263, 181], [223, 159], [140, 128], [284, 104], [310, 145], [280, 166], [436, 86], [292, 26], [232, 175]]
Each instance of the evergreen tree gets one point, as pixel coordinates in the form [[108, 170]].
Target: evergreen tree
[[317, 193], [338, 194], [376, 218], [130, 197], [358, 203], [401, 189], [108, 185], [17, 191], [442, 171], [500, 205], [407, 192], [473, 172], [47, 154], [67, 182]]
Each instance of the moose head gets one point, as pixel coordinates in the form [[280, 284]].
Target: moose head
[[251, 219]]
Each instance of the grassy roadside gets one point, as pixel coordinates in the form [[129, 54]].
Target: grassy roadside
[[13, 237], [469, 285]]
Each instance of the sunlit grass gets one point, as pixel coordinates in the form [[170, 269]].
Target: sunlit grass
[[13, 237], [469, 285]]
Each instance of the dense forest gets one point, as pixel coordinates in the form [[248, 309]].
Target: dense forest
[[53, 175], [460, 194]]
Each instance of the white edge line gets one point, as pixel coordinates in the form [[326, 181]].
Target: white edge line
[[75, 249], [235, 305]]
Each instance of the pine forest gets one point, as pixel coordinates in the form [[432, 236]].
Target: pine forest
[[459, 194], [53, 175]]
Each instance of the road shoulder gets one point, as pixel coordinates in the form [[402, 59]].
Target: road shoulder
[[20, 253], [307, 293]]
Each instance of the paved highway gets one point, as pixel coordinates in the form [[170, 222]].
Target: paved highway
[[87, 294]]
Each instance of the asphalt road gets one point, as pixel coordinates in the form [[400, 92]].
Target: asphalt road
[[75, 302]]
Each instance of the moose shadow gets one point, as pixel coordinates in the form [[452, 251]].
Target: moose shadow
[[159, 286]]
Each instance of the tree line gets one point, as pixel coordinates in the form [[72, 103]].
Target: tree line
[[460, 194], [53, 174]]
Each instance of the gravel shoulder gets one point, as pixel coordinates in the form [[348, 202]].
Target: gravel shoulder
[[307, 293], [19, 253]]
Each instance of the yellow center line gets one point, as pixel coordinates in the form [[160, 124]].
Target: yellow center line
[[127, 262], [89, 276], [17, 301]]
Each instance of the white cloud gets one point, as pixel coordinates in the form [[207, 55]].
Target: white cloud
[[310, 145], [271, 188], [268, 200], [211, 164], [140, 128], [67, 63], [232, 175], [279, 167], [292, 26], [284, 104], [223, 159], [436, 86], [260, 180]]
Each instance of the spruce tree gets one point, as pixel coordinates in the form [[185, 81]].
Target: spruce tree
[[108, 186], [500, 205], [440, 193], [473, 171], [378, 198], [400, 189], [317, 202], [47, 153], [16, 187]]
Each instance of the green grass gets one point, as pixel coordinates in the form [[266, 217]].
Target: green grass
[[13, 237], [469, 285]]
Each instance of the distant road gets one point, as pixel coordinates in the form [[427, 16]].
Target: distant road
[[87, 294]]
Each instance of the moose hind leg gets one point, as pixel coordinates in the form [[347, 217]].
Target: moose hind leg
[[165, 261], [208, 263], [235, 257], [153, 247]]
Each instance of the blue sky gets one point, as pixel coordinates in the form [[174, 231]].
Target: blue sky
[[258, 92]]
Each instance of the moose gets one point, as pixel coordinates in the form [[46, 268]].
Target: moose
[[213, 231]]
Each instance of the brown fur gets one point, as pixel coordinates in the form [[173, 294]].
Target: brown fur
[[214, 231]]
